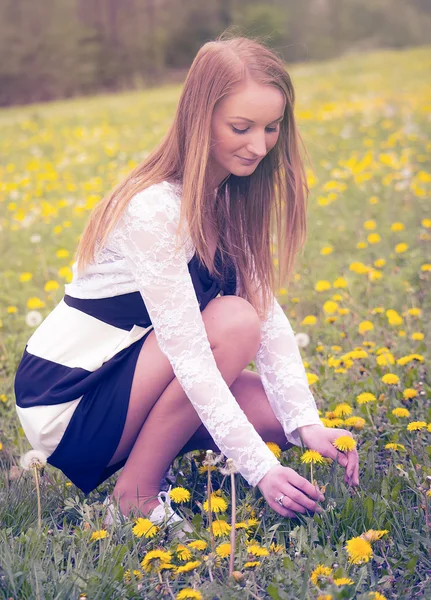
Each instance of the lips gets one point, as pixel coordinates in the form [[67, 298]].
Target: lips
[[249, 160]]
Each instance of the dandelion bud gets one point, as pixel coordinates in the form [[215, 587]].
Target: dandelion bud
[[238, 576]]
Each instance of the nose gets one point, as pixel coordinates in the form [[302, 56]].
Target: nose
[[257, 146]]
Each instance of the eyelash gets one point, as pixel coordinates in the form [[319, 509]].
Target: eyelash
[[241, 131]]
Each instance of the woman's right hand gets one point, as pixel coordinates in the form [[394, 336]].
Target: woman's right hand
[[299, 494]]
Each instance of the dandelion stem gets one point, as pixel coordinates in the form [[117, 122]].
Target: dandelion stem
[[233, 521], [311, 472], [39, 516], [369, 414], [169, 587], [210, 516]]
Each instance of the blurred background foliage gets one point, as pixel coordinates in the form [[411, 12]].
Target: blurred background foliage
[[52, 49]]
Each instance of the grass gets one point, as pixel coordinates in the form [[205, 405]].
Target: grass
[[366, 122]]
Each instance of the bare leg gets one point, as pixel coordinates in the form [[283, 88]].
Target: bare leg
[[169, 420], [251, 396]]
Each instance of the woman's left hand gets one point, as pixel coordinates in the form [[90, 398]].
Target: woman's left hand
[[321, 439]]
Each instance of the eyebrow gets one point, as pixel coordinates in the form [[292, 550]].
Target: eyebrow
[[250, 121]]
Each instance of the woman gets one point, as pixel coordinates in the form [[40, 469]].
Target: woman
[[179, 256]]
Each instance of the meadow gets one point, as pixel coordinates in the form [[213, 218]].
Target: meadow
[[359, 304]]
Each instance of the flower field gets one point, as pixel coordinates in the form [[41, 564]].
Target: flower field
[[359, 304]]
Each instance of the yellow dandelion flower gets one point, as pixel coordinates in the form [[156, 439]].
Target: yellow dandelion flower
[[241, 525], [251, 564], [257, 550], [385, 359], [401, 412], [189, 566], [154, 559], [320, 571], [189, 594], [145, 527], [372, 535], [179, 494], [365, 397], [276, 548], [166, 566], [203, 469], [223, 550], [218, 504], [128, 575], [379, 263], [344, 443], [333, 423], [322, 285], [183, 552], [416, 426], [401, 247], [397, 226], [343, 581], [275, 448], [99, 535], [370, 224], [197, 545], [374, 238], [253, 522], [324, 597], [343, 409], [358, 550], [330, 307], [312, 456], [309, 320], [340, 282], [355, 422], [394, 446], [428, 494], [417, 336], [390, 379], [409, 393], [220, 527], [377, 596], [365, 326]]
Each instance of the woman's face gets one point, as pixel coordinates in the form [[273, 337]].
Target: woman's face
[[244, 125]]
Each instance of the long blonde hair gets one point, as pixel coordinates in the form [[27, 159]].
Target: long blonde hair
[[245, 209]]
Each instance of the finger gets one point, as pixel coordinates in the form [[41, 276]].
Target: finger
[[284, 512], [352, 459], [299, 498], [356, 472], [335, 454], [305, 486]]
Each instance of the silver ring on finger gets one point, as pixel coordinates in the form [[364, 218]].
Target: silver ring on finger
[[280, 499]]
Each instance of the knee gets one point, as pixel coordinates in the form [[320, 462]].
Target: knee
[[237, 318]]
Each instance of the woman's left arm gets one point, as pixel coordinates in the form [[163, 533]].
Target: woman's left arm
[[282, 372]]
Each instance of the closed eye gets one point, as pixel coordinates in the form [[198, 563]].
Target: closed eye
[[268, 129]]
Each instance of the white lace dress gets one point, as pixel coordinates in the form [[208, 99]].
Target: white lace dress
[[90, 342]]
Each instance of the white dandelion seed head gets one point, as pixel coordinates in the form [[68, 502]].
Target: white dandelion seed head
[[302, 339], [33, 318], [33, 458], [35, 238], [229, 468]]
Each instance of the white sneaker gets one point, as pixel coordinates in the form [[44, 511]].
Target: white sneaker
[[161, 515], [165, 515]]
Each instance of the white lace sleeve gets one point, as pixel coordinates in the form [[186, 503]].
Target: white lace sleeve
[[145, 235], [279, 364]]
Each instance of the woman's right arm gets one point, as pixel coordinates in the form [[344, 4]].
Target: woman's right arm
[[145, 235]]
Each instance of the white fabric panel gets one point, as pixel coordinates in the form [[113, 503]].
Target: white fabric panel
[[44, 426], [72, 338]]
